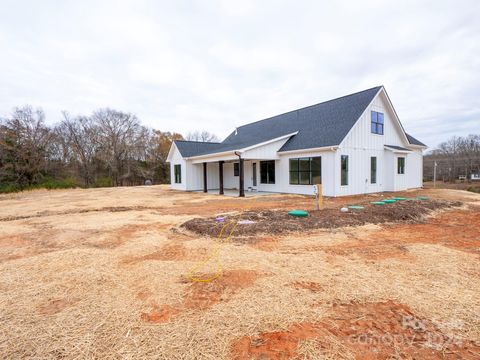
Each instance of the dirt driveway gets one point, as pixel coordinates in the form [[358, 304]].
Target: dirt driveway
[[112, 273]]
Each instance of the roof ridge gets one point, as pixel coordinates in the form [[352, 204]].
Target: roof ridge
[[306, 107], [196, 141]]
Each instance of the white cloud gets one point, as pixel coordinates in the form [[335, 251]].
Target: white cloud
[[189, 65]]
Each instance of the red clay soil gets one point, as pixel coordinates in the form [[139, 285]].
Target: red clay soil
[[457, 229], [165, 253], [160, 314], [369, 331], [279, 222], [203, 295]]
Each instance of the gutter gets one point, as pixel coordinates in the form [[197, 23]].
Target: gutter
[[323, 148]]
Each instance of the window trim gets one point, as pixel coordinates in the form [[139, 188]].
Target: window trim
[[347, 169], [268, 162], [177, 172], [375, 121], [298, 171], [403, 165]]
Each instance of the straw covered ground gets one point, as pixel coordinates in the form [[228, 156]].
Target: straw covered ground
[[112, 273]]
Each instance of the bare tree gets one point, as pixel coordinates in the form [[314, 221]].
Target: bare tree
[[81, 135], [454, 157], [203, 136], [118, 133], [24, 145]]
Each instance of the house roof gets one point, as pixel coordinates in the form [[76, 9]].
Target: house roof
[[414, 141], [192, 148], [321, 125]]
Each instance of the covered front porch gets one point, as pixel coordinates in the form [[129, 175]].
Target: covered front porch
[[241, 177]]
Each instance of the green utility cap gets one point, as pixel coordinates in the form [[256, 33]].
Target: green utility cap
[[389, 201], [298, 213], [377, 203], [355, 207], [399, 198]]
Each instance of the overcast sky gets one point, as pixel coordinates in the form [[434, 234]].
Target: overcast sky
[[213, 65]]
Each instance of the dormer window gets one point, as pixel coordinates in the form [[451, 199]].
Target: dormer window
[[377, 123]]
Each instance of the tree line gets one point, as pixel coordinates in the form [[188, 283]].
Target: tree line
[[107, 148], [455, 158]]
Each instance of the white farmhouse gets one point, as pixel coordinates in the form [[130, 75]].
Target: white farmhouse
[[354, 144]]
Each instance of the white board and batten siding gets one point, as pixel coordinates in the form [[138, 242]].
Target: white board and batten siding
[[361, 144], [177, 159]]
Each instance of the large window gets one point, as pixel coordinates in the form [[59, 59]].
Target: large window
[[306, 171], [401, 165], [377, 123], [344, 170], [373, 170], [236, 169], [177, 170], [267, 172]]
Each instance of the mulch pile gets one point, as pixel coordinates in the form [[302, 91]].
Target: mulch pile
[[279, 222]]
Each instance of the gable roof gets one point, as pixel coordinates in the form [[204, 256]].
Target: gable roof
[[323, 124], [193, 148], [320, 125], [414, 141]]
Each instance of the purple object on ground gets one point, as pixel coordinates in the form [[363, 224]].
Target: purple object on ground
[[220, 219]]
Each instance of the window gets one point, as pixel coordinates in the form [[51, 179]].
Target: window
[[373, 170], [267, 172], [344, 170], [377, 123], [306, 171], [236, 169], [177, 170], [401, 165]]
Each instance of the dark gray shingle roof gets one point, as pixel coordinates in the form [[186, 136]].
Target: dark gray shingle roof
[[192, 148], [414, 141], [324, 124], [320, 125]]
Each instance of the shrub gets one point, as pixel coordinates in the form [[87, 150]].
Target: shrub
[[474, 189], [9, 188]]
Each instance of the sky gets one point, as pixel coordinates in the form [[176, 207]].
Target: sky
[[215, 64]]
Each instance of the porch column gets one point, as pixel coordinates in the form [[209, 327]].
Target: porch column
[[241, 190], [205, 189], [220, 174]]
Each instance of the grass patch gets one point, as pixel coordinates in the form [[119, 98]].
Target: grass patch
[[47, 183]]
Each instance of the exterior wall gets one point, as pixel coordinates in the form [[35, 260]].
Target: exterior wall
[[414, 169], [282, 174], [360, 144], [265, 152], [195, 173], [177, 159]]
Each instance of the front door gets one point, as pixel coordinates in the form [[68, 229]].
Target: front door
[[254, 174]]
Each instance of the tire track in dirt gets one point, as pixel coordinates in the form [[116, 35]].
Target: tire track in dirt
[[81, 211]]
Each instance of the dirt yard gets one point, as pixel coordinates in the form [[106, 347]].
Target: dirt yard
[[117, 273]]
